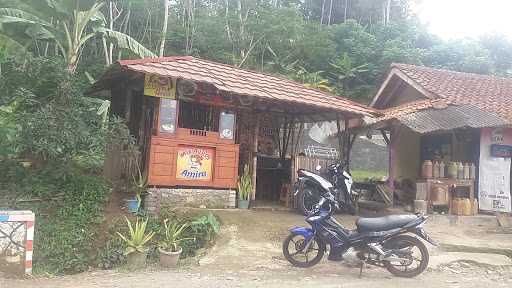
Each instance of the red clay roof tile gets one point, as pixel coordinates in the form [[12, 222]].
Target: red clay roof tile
[[489, 93], [244, 82]]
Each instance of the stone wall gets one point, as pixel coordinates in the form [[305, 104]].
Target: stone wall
[[188, 197]]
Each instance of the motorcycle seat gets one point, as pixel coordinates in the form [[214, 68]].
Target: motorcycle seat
[[383, 223]]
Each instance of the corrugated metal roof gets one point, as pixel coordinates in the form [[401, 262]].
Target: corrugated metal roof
[[451, 117], [239, 81]]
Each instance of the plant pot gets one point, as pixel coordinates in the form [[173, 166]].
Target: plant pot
[[243, 204], [169, 259], [136, 260], [132, 205]]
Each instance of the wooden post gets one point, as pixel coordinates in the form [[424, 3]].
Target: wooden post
[[395, 132], [340, 139], [255, 155], [128, 105], [347, 141]]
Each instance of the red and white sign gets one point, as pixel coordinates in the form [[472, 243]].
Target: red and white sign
[[494, 172]]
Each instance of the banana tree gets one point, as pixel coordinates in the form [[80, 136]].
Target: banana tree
[[345, 72], [69, 26]]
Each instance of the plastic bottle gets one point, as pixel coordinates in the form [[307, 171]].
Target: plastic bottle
[[426, 169], [466, 171], [460, 171], [472, 171], [435, 171], [452, 170], [441, 169]]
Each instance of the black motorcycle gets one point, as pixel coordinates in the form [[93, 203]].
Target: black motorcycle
[[383, 241], [310, 186]]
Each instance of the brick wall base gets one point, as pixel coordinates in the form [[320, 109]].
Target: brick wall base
[[191, 197]]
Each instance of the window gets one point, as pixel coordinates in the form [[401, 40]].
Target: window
[[198, 116], [167, 116], [227, 124]]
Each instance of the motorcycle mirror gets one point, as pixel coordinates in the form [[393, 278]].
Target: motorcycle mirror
[[318, 167]]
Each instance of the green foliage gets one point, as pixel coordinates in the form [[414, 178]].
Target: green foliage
[[245, 184], [137, 237], [68, 206], [49, 124], [201, 232], [172, 236]]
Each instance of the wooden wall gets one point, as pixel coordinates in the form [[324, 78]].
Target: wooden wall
[[163, 159]]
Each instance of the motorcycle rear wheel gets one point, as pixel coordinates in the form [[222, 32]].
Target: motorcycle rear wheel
[[407, 242], [298, 242]]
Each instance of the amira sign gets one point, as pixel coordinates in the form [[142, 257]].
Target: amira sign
[[194, 163]]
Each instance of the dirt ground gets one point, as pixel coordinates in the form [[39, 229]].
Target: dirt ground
[[248, 254]]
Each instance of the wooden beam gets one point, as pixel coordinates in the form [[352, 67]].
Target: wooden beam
[[255, 155], [340, 139]]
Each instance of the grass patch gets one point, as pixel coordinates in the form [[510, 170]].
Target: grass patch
[[364, 175]]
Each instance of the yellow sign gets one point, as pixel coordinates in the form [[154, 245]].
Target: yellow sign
[[194, 163], [158, 86]]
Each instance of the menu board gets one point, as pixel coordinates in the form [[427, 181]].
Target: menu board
[[194, 163]]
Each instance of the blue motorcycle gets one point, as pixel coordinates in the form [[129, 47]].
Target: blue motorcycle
[[384, 241]]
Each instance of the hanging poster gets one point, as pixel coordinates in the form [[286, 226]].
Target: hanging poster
[[157, 86], [494, 172], [194, 163]]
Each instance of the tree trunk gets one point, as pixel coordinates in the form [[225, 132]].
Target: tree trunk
[[330, 13], [111, 26], [323, 10], [386, 11], [164, 29], [345, 12]]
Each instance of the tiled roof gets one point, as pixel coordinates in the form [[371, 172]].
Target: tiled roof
[[488, 93], [244, 82]]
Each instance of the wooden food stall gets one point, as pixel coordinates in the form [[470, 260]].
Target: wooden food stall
[[199, 123], [194, 140]]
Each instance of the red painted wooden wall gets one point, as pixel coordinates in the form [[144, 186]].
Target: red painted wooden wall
[[163, 157]]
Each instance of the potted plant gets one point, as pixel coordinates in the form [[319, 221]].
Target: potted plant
[[244, 188], [139, 186], [169, 246], [136, 240]]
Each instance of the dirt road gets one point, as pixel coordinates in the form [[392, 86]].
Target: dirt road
[[248, 254]]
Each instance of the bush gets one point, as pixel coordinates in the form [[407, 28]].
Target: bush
[[201, 229], [68, 204]]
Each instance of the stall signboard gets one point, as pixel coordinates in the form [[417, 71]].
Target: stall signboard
[[157, 86], [498, 150], [494, 172], [194, 163]]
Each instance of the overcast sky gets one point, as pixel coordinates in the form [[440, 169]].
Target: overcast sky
[[466, 18]]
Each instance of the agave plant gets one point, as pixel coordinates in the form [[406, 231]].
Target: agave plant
[[172, 236], [245, 184], [140, 183], [137, 238]]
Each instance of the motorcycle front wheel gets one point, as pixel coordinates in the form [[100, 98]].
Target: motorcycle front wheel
[[412, 253], [294, 250]]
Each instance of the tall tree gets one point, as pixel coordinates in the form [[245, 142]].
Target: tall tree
[[164, 28]]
